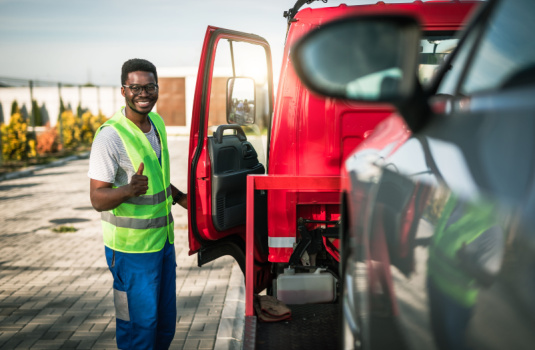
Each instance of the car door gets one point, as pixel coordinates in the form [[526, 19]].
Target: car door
[[489, 121], [475, 267], [231, 112]]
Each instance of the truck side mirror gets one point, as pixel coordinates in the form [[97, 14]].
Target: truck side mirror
[[367, 58], [241, 101]]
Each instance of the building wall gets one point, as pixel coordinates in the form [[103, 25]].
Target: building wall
[[217, 113], [172, 100], [189, 75]]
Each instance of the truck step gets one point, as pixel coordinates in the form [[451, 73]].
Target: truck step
[[313, 326]]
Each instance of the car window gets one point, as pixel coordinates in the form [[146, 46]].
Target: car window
[[506, 54]]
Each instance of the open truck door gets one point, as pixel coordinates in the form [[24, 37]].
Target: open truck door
[[231, 113]]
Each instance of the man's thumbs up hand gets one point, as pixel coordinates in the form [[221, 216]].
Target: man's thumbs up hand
[[140, 170], [139, 184]]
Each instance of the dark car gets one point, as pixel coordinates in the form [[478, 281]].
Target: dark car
[[439, 202]]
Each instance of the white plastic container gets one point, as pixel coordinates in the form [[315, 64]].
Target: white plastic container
[[305, 288]]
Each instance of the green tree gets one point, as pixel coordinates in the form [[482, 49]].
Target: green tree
[[60, 121], [61, 106], [14, 108], [37, 114], [79, 110]]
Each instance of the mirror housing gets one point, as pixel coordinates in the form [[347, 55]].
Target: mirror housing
[[241, 101], [366, 58]]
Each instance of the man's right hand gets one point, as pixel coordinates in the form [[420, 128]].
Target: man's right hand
[[139, 184], [105, 197]]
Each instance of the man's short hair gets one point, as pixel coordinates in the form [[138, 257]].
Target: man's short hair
[[137, 64]]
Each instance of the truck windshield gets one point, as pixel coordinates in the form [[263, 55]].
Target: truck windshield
[[434, 49]]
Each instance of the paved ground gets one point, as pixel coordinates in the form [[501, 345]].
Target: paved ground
[[55, 288]]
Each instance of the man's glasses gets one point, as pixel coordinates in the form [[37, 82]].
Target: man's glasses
[[149, 88]]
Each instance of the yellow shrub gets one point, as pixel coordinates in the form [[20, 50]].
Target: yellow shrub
[[16, 144], [90, 124], [32, 153], [71, 131]]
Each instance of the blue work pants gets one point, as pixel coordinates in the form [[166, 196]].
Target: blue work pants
[[449, 319], [144, 289]]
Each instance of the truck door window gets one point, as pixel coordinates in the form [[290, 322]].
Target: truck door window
[[450, 80], [247, 61], [433, 51]]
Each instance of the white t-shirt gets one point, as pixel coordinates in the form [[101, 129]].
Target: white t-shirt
[[109, 161]]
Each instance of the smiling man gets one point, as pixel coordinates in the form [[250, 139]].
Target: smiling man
[[130, 185]]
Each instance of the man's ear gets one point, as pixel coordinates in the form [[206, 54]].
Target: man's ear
[[122, 91]]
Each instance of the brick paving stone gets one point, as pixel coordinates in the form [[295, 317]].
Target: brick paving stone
[[180, 336], [5, 336], [206, 344], [26, 344], [69, 344], [12, 343], [56, 289], [64, 335], [86, 344], [11, 327], [29, 328], [192, 344]]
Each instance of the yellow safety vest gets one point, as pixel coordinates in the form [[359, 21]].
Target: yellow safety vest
[[443, 265], [141, 224]]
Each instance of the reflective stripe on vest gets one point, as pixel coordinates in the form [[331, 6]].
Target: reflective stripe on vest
[[141, 224], [150, 199], [133, 223]]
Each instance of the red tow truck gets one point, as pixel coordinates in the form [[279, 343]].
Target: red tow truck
[[264, 173]]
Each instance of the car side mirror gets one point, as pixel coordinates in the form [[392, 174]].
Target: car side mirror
[[366, 58], [241, 101]]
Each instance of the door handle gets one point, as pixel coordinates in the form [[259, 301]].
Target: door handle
[[248, 150], [218, 134]]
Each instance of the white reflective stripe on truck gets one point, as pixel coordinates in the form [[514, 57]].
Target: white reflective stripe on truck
[[281, 242]]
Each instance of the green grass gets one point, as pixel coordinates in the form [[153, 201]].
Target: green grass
[[64, 229]]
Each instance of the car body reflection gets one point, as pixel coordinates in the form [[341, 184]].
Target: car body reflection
[[446, 260]]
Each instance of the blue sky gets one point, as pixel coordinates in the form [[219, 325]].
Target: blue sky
[[79, 41]]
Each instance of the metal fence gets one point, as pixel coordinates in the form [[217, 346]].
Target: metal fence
[[47, 97], [42, 102]]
